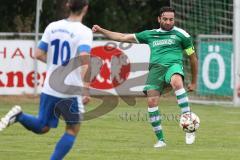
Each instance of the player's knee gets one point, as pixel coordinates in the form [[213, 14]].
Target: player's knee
[[152, 102], [153, 98], [73, 129], [177, 85], [176, 82], [44, 130]]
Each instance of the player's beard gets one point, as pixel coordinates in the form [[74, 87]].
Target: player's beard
[[166, 27]]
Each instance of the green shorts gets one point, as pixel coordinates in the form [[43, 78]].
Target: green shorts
[[159, 76]]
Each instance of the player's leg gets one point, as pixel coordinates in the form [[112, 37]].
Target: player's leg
[[46, 118], [40, 124], [155, 83], [174, 76], [154, 116], [182, 98], [66, 142], [28, 121], [180, 92], [69, 110], [32, 123]]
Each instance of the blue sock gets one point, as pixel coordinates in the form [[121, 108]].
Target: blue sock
[[30, 122], [63, 146]]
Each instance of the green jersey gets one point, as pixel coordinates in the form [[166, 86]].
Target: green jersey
[[166, 46]]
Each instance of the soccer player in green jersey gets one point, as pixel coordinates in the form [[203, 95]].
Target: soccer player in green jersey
[[167, 45]]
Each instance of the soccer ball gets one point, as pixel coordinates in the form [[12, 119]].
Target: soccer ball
[[189, 122]]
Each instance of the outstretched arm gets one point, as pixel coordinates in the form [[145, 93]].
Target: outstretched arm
[[116, 36], [194, 70]]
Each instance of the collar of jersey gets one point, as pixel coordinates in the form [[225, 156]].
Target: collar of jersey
[[161, 30], [71, 21]]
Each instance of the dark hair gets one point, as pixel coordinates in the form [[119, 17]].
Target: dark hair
[[166, 9], [77, 5]]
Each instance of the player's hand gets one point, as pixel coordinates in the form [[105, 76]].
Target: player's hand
[[85, 99], [192, 87], [96, 28]]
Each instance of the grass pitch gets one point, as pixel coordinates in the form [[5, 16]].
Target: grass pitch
[[125, 134]]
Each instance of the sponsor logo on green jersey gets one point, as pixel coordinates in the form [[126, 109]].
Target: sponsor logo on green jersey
[[163, 42]]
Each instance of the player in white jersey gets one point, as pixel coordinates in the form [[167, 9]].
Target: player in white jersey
[[62, 43]]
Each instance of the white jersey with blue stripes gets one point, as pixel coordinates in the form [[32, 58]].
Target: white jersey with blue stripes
[[64, 40]]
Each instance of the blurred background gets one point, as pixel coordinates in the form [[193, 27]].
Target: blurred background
[[209, 22], [121, 15]]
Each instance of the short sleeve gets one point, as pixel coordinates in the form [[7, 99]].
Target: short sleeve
[[141, 37], [45, 40], [85, 42]]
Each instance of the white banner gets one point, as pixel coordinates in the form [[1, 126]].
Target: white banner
[[113, 66], [17, 67]]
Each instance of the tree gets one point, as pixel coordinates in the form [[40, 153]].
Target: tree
[[125, 15], [120, 15], [16, 16]]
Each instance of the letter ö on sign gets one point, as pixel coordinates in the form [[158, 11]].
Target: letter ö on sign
[[221, 71]]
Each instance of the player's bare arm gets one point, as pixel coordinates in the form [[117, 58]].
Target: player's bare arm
[[41, 55], [194, 70], [84, 59], [116, 36]]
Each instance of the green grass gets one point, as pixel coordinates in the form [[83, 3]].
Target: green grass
[[117, 136]]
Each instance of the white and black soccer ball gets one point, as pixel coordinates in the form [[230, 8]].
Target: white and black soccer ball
[[189, 122]]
